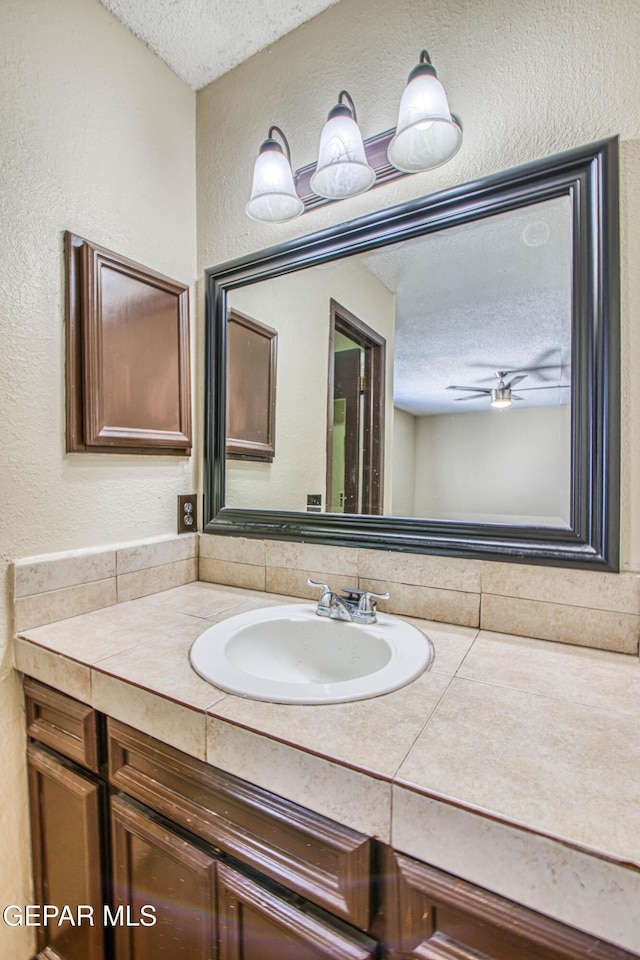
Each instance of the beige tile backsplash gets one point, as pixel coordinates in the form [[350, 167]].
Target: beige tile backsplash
[[445, 573], [619, 593], [586, 608], [248, 575], [52, 605], [584, 626], [233, 550], [142, 583], [294, 582], [156, 553], [312, 556], [427, 603], [46, 574], [59, 586]]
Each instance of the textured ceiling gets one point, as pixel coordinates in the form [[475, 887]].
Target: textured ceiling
[[481, 297], [202, 39]]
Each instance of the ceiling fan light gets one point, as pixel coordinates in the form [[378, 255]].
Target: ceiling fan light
[[501, 398], [427, 135], [342, 170], [273, 194]]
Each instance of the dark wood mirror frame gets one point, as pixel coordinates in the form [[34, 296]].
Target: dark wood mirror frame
[[589, 177]]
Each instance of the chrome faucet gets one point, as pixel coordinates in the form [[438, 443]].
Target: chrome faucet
[[356, 606]]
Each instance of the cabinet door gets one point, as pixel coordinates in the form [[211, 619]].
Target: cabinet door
[[67, 853], [154, 867], [256, 924]]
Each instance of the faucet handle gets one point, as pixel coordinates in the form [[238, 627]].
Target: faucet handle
[[326, 589], [368, 601]]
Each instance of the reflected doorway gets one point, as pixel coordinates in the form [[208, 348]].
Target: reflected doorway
[[355, 415]]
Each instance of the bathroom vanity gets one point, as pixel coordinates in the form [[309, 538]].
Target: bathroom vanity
[[137, 803], [234, 871]]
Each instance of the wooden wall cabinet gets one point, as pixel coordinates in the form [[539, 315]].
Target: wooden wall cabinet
[[236, 873], [128, 379]]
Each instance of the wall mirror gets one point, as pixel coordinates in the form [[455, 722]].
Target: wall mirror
[[447, 373]]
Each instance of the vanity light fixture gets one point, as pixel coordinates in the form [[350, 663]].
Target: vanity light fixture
[[427, 135], [273, 195], [342, 170]]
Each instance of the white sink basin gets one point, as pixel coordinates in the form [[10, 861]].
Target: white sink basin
[[289, 654]]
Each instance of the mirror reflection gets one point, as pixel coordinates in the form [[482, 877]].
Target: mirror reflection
[[429, 378]]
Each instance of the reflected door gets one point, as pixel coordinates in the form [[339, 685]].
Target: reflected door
[[347, 441], [355, 441]]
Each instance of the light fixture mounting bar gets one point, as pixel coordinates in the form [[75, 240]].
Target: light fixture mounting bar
[[376, 151]]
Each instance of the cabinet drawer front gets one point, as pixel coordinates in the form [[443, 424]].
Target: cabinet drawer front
[[439, 917], [62, 723], [321, 860]]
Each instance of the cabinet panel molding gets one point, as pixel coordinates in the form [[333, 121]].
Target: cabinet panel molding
[[323, 861], [257, 924], [128, 380], [435, 916], [154, 866], [62, 723], [252, 349], [66, 810]]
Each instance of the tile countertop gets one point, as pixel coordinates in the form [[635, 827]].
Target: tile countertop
[[513, 763]]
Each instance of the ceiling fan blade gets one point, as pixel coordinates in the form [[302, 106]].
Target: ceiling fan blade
[[538, 367], [470, 389], [475, 396], [548, 386], [514, 396], [515, 380]]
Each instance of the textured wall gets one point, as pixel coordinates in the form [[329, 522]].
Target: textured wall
[[528, 78], [98, 137]]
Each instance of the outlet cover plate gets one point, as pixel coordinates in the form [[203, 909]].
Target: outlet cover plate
[[187, 513]]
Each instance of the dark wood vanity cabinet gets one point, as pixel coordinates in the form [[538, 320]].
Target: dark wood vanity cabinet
[[195, 864], [430, 915], [160, 876], [68, 809], [255, 923]]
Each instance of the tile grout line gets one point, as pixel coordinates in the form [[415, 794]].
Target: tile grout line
[[424, 725], [544, 696]]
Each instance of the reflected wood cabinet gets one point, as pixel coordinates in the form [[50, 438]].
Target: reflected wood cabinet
[[231, 872]]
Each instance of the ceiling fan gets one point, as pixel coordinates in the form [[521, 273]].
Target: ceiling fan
[[502, 393]]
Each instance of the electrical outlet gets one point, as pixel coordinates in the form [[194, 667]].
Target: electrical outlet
[[187, 513]]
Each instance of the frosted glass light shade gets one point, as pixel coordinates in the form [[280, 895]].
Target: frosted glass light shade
[[427, 135], [273, 196], [342, 169]]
